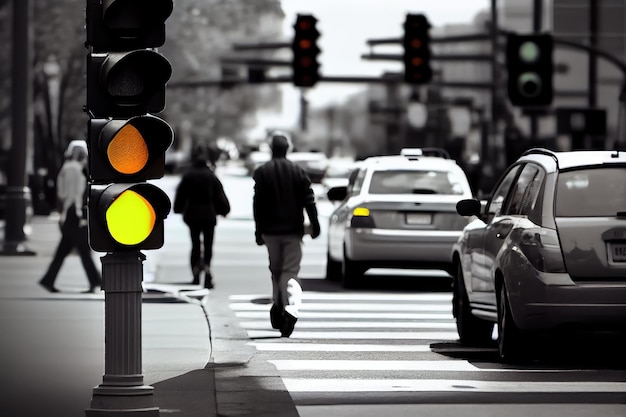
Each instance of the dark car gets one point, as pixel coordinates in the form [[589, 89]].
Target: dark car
[[548, 252]]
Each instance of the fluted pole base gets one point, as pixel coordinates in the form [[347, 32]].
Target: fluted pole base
[[122, 391]]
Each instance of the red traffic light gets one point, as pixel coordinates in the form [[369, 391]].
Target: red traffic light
[[305, 51], [416, 55]]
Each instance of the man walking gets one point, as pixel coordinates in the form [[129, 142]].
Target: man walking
[[282, 192], [200, 198]]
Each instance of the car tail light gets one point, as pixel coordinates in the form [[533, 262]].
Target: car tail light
[[361, 218], [542, 249]]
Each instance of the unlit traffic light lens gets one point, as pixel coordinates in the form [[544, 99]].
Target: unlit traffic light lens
[[130, 218], [128, 152]]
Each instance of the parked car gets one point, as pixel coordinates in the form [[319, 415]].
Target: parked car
[[547, 252], [313, 163], [396, 212]]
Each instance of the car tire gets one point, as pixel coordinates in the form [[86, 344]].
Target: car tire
[[472, 330], [511, 341], [351, 272], [333, 269]]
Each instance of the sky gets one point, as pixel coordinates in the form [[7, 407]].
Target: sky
[[345, 26]]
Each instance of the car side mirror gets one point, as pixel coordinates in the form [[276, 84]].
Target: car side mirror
[[469, 207], [337, 193]]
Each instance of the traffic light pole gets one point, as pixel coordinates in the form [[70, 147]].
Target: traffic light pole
[[122, 391]]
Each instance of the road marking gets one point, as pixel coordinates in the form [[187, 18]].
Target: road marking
[[348, 315], [303, 324], [298, 334], [307, 295], [403, 365], [348, 307], [432, 385], [335, 347]]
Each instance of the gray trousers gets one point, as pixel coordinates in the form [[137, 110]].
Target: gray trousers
[[285, 254]]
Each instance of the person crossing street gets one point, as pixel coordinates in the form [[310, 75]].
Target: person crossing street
[[282, 193]]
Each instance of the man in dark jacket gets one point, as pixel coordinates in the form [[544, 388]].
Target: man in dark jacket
[[282, 192], [200, 197]]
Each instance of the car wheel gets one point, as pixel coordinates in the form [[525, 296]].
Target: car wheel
[[351, 272], [511, 343], [333, 269], [472, 330]]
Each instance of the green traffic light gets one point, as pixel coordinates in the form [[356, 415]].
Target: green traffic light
[[529, 52]]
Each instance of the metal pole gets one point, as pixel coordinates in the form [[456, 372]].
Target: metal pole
[[122, 392], [537, 16], [17, 191], [593, 58]]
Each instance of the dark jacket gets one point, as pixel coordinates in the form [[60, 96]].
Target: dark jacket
[[282, 191], [200, 196]]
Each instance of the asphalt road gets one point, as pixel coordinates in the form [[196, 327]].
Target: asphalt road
[[389, 347]]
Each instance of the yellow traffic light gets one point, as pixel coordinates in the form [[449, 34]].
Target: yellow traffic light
[[128, 150], [130, 218], [127, 216]]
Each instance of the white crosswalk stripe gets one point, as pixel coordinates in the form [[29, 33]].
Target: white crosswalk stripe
[[343, 339]]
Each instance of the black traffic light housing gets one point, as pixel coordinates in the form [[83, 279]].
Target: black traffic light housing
[[416, 45], [121, 25], [122, 84], [530, 69], [126, 81], [305, 51], [129, 149], [105, 220]]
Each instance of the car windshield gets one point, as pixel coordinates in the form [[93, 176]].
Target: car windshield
[[415, 182], [595, 192]]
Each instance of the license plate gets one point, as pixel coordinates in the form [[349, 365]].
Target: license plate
[[618, 252], [418, 218]]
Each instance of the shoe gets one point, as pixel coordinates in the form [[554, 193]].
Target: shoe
[[196, 275], [276, 316], [289, 322], [48, 287], [93, 290], [208, 278]]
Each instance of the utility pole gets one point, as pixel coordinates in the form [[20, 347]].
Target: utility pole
[[537, 18], [593, 57], [17, 190]]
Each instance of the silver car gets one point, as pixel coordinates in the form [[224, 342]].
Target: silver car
[[548, 251], [396, 212]]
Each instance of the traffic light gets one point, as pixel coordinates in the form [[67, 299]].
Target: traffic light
[[126, 80], [530, 69], [305, 51], [127, 216], [416, 44], [132, 149]]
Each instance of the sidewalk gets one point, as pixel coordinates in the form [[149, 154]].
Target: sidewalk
[[52, 345]]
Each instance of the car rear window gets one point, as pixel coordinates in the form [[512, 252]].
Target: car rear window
[[598, 192], [415, 182]]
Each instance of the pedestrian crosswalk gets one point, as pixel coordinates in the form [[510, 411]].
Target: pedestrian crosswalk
[[368, 342]]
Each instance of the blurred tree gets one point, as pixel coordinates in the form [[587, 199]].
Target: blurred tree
[[198, 33]]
